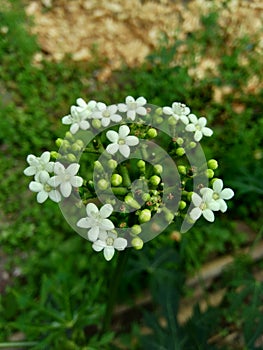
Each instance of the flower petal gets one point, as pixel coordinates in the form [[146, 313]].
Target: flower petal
[[45, 157], [120, 243], [72, 169], [129, 99], [207, 131], [124, 150], [223, 205], [105, 121], [65, 189], [108, 252], [112, 148], [141, 101], [202, 121], [131, 114], [112, 135], [209, 215], [76, 181], [112, 109], [196, 199], [98, 245], [106, 211], [167, 110], [132, 140], [84, 125], [93, 233], [84, 223], [198, 135], [218, 185], [55, 196], [42, 196], [141, 111], [116, 118], [106, 224], [190, 127], [124, 131], [193, 118], [35, 186], [91, 209], [29, 171], [54, 181], [59, 168], [195, 213], [74, 128], [227, 193], [122, 107], [67, 120]]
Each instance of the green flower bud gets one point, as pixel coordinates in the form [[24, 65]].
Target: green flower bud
[[169, 216], [172, 121], [180, 141], [103, 184], [152, 133], [192, 144], [141, 164], [145, 216], [212, 164], [71, 157], [159, 111], [131, 202], [146, 197], [158, 120], [210, 173], [137, 243], [182, 205], [98, 166], [112, 164], [76, 148], [116, 180], [69, 136], [136, 229], [59, 142], [180, 151], [80, 143], [155, 180], [96, 123], [213, 180], [55, 155], [182, 169], [158, 169], [189, 196]]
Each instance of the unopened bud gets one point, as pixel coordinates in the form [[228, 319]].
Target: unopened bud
[[98, 166], [103, 184], [55, 155], [146, 197], [169, 216], [69, 136], [141, 164], [131, 202], [152, 133], [180, 151], [182, 169], [96, 123], [116, 180], [155, 180], [180, 141], [192, 144], [159, 111], [172, 121], [76, 148], [137, 243], [210, 173], [182, 205], [136, 229], [158, 169], [59, 142], [71, 157], [212, 164], [145, 216], [112, 164]]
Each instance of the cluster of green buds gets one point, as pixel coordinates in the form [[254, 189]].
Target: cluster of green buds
[[142, 168]]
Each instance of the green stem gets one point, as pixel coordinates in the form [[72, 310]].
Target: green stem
[[113, 290], [125, 176], [24, 344]]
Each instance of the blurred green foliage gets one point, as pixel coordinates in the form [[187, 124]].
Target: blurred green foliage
[[58, 286]]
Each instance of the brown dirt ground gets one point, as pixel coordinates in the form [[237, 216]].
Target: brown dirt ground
[[126, 31]]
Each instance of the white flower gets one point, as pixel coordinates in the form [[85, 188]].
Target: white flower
[[219, 194], [108, 242], [44, 189], [76, 119], [132, 106], [106, 114], [86, 109], [204, 206], [65, 178], [179, 111], [96, 220], [39, 165], [121, 141], [198, 127]]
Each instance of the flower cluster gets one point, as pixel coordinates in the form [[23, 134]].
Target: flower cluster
[[127, 137], [51, 187]]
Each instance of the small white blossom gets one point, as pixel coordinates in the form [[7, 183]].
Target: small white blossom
[[76, 119], [106, 114], [133, 107], [44, 189], [39, 165], [96, 220], [121, 141], [108, 242], [198, 126], [179, 111], [65, 178], [204, 205], [219, 194]]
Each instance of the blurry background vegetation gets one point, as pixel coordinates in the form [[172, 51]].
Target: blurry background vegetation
[[53, 287]]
